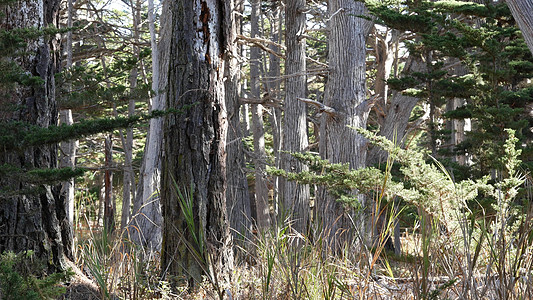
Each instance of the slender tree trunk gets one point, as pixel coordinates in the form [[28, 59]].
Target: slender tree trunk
[[109, 205], [128, 192], [522, 11], [147, 207], [33, 221], [68, 148], [238, 196], [384, 48], [195, 142], [295, 196], [274, 88], [261, 189], [345, 92]]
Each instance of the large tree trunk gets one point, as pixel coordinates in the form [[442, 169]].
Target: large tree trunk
[[195, 142], [147, 219], [258, 129], [34, 221], [345, 92], [295, 196], [238, 197], [522, 11]]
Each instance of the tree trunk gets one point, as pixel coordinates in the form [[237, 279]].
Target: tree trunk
[[109, 205], [68, 160], [384, 48], [397, 113], [147, 207], [238, 196], [195, 142], [345, 92], [33, 221], [274, 88], [295, 196], [261, 189], [128, 191], [68, 148], [522, 11]]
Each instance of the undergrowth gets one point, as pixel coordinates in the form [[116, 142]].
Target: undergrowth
[[456, 248]]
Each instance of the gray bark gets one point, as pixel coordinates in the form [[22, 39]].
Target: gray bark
[[384, 48], [195, 142], [295, 196], [345, 92], [258, 131], [274, 88], [68, 160], [522, 11], [128, 192], [68, 148], [33, 221], [147, 218], [397, 114], [238, 196]]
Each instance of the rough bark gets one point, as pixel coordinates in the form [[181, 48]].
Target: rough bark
[[38, 220], [147, 218], [258, 130], [195, 142], [522, 11], [238, 196], [295, 196], [345, 93]]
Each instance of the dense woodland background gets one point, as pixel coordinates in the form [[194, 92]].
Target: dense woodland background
[[296, 149]]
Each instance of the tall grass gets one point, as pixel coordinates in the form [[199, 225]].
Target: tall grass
[[120, 268], [464, 251]]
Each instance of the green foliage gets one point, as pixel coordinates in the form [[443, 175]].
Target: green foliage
[[20, 135], [494, 66], [18, 279], [426, 185]]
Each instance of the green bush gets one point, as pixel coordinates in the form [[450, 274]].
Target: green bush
[[18, 279]]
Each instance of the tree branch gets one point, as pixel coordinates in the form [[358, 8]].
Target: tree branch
[[321, 107], [260, 43]]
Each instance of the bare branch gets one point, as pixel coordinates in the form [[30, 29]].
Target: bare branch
[[260, 43], [265, 101], [321, 107]]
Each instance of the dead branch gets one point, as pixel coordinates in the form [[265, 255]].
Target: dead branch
[[321, 107], [266, 101], [317, 62], [260, 44]]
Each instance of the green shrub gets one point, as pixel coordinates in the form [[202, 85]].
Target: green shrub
[[18, 279]]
